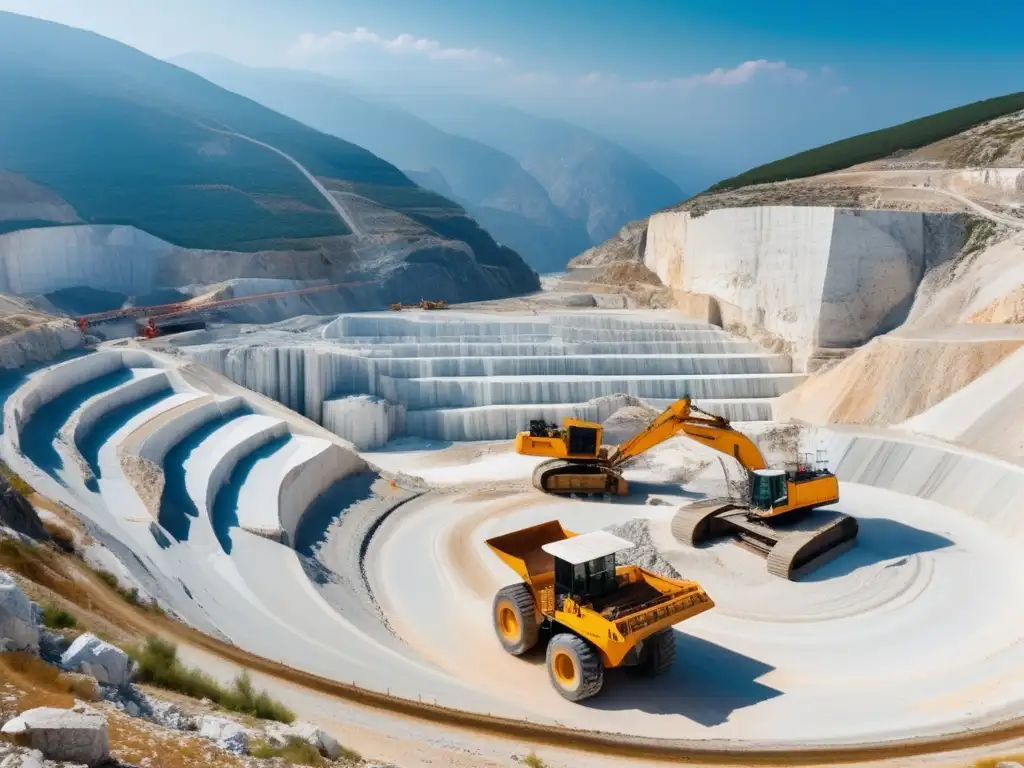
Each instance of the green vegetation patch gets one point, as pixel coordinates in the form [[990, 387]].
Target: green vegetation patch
[[159, 666], [294, 751], [55, 617], [877, 144]]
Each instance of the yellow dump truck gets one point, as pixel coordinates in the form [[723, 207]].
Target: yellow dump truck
[[596, 614]]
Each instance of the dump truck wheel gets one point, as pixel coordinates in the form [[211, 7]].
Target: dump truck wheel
[[575, 667], [515, 620], [658, 654]]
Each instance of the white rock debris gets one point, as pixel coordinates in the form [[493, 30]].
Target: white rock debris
[[96, 657], [19, 617], [316, 737], [63, 734], [226, 734], [645, 554]]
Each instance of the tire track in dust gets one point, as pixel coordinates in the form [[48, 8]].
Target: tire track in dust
[[460, 549]]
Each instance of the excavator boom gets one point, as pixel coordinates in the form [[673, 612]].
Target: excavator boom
[[683, 416], [775, 519]]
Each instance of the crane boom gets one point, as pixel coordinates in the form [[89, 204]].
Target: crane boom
[[706, 428]]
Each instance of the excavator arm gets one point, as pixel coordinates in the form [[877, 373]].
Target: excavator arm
[[683, 416]]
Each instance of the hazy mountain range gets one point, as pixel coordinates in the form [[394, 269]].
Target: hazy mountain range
[[95, 131], [546, 188]]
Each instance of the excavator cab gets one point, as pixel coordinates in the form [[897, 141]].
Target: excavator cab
[[768, 489], [575, 439]]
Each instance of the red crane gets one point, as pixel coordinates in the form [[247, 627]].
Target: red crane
[[179, 309]]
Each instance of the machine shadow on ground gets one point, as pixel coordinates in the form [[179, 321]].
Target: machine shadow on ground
[[39, 435], [224, 510], [879, 540], [108, 426], [176, 507], [706, 684], [326, 508], [639, 492]]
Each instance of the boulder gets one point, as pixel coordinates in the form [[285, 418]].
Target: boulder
[[170, 715], [107, 663], [18, 515], [227, 734], [19, 618], [316, 737], [63, 734]]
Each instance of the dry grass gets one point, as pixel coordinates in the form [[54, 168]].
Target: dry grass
[[16, 481], [62, 537], [41, 564], [129, 594], [132, 741], [43, 684]]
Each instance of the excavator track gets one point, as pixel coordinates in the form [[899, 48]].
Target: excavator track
[[791, 547], [698, 523], [559, 476], [798, 552]]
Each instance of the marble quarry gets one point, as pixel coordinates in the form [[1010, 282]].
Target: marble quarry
[[811, 277], [467, 376]]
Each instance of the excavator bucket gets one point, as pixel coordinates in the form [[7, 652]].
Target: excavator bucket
[[521, 550]]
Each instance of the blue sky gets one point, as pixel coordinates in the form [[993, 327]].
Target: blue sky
[[737, 82]]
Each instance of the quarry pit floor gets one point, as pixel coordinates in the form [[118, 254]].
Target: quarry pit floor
[[385, 583]]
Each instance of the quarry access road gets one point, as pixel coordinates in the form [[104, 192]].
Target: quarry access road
[[748, 672], [335, 204], [929, 186]]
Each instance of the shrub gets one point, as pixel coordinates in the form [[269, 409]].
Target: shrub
[[244, 698], [294, 751], [109, 579], [129, 594], [159, 666], [55, 617], [532, 761]]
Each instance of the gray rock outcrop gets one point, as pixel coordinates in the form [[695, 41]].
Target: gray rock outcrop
[[18, 515], [95, 657], [63, 734], [226, 734], [19, 618]]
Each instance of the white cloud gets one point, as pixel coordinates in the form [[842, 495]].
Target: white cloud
[[310, 45], [738, 75], [719, 77]]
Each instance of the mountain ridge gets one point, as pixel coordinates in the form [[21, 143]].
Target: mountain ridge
[[159, 148], [491, 185]]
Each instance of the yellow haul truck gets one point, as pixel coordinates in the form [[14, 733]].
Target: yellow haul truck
[[596, 614]]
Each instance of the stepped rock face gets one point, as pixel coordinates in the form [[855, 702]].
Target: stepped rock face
[[112, 258], [476, 376], [809, 276]]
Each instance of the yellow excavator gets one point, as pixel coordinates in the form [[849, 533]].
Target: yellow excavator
[[774, 519], [594, 613]]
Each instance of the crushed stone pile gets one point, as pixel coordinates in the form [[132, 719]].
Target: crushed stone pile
[[645, 554]]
